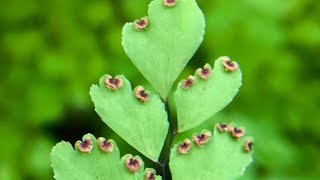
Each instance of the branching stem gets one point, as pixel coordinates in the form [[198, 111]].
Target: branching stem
[[173, 133]]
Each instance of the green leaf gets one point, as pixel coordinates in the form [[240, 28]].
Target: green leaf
[[70, 164], [222, 157], [143, 125], [163, 49], [206, 97]]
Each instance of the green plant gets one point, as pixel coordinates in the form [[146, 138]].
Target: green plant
[[160, 46]]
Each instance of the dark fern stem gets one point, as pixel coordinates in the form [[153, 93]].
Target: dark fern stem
[[165, 164]]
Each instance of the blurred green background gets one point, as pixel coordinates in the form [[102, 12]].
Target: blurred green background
[[52, 51]]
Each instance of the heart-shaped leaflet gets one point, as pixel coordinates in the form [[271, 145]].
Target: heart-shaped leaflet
[[209, 91], [161, 45], [96, 159], [139, 117], [215, 155]]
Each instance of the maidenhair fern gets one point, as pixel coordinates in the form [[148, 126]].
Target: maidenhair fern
[[160, 45]]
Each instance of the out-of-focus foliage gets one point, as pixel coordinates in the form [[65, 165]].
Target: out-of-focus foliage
[[52, 51]]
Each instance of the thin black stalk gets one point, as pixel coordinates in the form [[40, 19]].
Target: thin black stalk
[[172, 135]]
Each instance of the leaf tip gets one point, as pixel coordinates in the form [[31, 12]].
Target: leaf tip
[[229, 65], [237, 132], [248, 146], [86, 145], [150, 174], [169, 3], [141, 24], [203, 138], [223, 127], [133, 164], [113, 83], [141, 94], [104, 145], [205, 72], [185, 146], [187, 83]]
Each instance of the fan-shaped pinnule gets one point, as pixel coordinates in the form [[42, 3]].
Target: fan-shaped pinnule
[[213, 155], [139, 117], [201, 96], [161, 44], [101, 162]]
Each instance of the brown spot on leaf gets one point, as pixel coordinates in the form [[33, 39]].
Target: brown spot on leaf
[[133, 164], [229, 65], [186, 84], [150, 175], [104, 145], [248, 145], [113, 83], [203, 138], [237, 132], [141, 24], [205, 72], [170, 3], [185, 147], [141, 94], [86, 146], [223, 127]]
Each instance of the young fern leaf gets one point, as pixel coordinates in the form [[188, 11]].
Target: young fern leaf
[[96, 159], [213, 155], [161, 45], [139, 117], [206, 93]]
